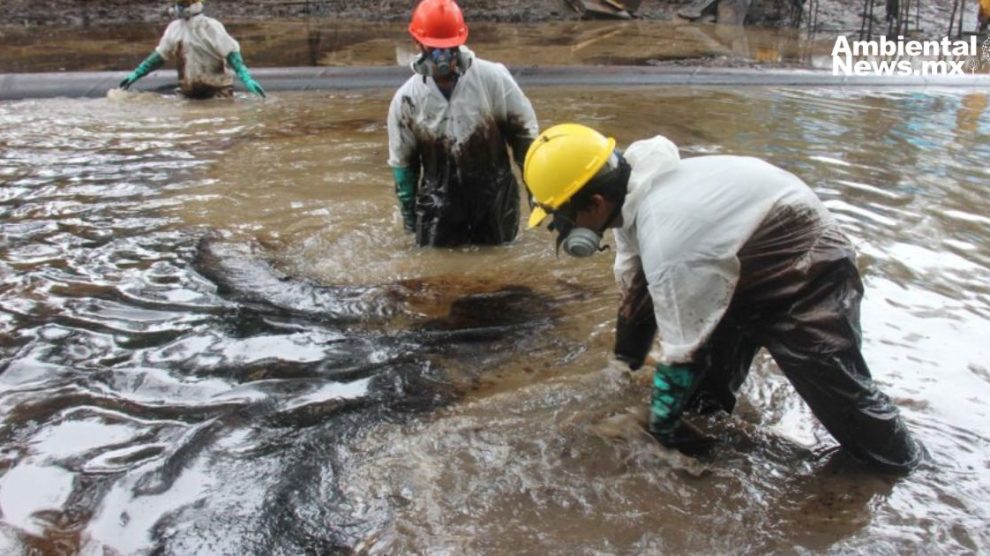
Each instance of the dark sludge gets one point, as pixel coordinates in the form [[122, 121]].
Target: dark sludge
[[449, 321]]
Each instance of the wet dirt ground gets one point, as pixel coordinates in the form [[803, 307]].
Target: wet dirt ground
[[330, 42], [930, 19]]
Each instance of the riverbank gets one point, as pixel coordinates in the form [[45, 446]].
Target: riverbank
[[929, 19]]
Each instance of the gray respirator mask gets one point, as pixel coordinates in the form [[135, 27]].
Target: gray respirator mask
[[574, 240], [582, 242]]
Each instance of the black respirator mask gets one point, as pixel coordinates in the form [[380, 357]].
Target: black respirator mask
[[438, 62], [581, 242]]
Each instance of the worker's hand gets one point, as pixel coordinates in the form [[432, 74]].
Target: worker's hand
[[128, 81], [406, 179], [251, 85], [686, 438], [408, 218], [236, 62], [150, 64], [671, 386]]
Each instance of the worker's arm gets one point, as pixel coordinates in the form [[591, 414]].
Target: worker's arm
[[237, 64], [515, 109], [672, 384], [150, 64], [635, 326], [164, 51], [403, 155], [690, 292], [672, 389], [406, 181]]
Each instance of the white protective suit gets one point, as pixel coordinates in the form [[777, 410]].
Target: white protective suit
[[684, 223], [467, 192], [738, 255], [200, 46]]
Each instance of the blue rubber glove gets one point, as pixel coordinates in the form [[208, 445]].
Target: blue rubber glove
[[237, 64], [405, 189], [150, 64]]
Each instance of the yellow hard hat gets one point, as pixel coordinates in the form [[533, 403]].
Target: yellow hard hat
[[560, 162]]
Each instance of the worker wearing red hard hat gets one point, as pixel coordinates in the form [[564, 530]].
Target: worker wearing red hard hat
[[450, 127]]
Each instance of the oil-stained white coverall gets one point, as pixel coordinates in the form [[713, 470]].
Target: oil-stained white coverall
[[466, 192], [736, 254], [200, 46]]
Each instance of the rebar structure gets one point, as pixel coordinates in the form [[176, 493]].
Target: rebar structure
[[811, 21], [866, 25], [897, 17], [958, 9]]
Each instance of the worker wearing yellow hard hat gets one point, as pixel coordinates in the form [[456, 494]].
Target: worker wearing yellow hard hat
[[722, 256], [548, 168], [205, 55], [568, 160]]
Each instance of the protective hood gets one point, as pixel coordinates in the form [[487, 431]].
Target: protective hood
[[465, 57], [186, 12], [648, 158]]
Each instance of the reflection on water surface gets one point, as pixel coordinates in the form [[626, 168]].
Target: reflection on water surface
[[216, 339]]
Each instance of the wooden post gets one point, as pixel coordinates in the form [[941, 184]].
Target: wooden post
[[869, 29], [862, 22], [905, 18], [962, 16], [893, 16], [952, 18]]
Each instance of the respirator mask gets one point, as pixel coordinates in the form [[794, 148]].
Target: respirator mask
[[438, 62], [582, 242], [574, 240], [186, 11]]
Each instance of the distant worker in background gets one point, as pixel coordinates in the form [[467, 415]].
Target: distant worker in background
[[204, 55], [723, 255], [983, 16], [448, 130]]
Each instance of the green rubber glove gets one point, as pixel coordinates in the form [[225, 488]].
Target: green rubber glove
[[405, 190], [237, 63], [150, 64], [671, 387]]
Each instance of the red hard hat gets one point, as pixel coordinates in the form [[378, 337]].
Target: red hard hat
[[438, 23]]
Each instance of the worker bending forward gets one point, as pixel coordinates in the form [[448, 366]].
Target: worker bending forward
[[722, 255]]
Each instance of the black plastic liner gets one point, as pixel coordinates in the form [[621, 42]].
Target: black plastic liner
[[14, 86]]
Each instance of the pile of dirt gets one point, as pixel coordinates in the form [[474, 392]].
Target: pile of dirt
[[930, 18]]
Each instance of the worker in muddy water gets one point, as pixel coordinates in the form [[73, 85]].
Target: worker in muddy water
[[450, 127], [723, 255], [204, 54]]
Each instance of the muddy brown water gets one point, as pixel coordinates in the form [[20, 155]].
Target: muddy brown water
[[216, 339]]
